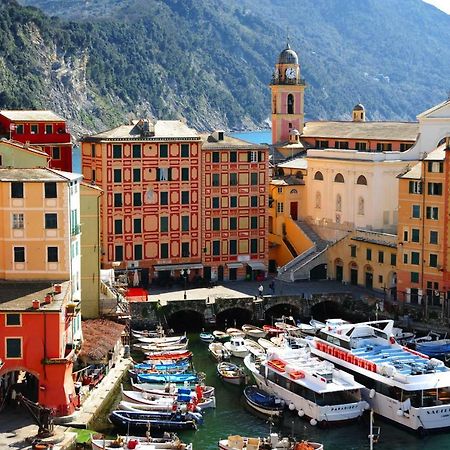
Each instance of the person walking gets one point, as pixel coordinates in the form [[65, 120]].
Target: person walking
[[272, 287], [261, 290]]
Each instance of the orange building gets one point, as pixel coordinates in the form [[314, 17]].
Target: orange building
[[234, 208], [423, 231], [44, 129]]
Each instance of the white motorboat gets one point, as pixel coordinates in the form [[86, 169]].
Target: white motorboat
[[167, 442], [236, 346], [166, 347], [265, 343], [158, 405], [218, 351], [235, 332], [402, 385], [162, 340], [254, 347], [253, 331], [272, 442], [220, 335], [315, 388], [231, 373]]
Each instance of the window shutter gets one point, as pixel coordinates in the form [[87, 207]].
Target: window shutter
[[169, 175], [158, 175], [260, 155], [249, 156]]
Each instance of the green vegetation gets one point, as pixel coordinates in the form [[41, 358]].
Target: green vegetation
[[210, 61]]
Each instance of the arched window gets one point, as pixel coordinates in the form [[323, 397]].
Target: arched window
[[362, 180], [294, 191], [339, 203], [290, 104], [318, 175], [360, 206], [318, 200], [339, 178]]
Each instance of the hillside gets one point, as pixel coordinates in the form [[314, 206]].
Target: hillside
[[210, 61]]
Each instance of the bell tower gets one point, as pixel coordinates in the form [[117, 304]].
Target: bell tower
[[287, 96]]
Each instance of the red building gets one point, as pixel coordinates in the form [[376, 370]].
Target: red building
[[43, 129]]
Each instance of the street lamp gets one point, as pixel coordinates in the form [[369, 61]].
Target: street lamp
[[185, 274]]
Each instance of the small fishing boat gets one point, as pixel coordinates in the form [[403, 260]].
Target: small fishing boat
[[172, 389], [235, 332], [206, 337], [288, 328], [265, 343], [403, 337], [432, 345], [272, 442], [173, 355], [139, 422], [151, 348], [263, 402], [306, 328], [158, 405], [253, 331], [167, 442], [218, 351], [231, 373], [162, 340], [164, 366], [220, 335], [236, 346], [167, 377], [272, 330], [254, 347]]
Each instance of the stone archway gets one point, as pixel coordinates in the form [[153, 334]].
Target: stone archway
[[18, 380], [233, 317], [279, 310], [186, 320]]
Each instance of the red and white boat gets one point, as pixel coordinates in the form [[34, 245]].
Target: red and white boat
[[272, 330]]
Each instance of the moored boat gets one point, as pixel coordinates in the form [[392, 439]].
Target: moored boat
[[254, 347], [206, 337], [220, 335], [162, 340], [168, 442], [173, 355], [218, 351], [265, 343], [236, 346], [167, 377], [272, 330], [263, 402], [152, 348], [231, 373], [253, 331], [272, 442], [235, 332], [171, 389]]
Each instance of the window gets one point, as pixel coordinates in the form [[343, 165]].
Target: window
[[137, 226], [434, 188], [56, 153], [13, 348], [369, 254], [51, 221], [435, 166], [253, 179], [360, 146], [52, 254], [384, 147], [184, 223], [50, 189], [216, 179], [136, 175], [233, 201], [216, 202], [416, 211], [185, 150], [290, 105], [415, 258], [233, 157], [137, 251], [233, 247], [280, 207], [318, 176], [13, 319], [136, 150], [164, 174], [185, 252], [361, 206], [185, 174], [254, 201], [117, 200], [341, 144], [405, 236], [353, 251], [339, 178], [163, 150], [216, 248], [321, 144], [117, 151], [433, 212], [381, 257], [117, 176], [118, 226], [137, 199], [233, 223], [433, 260], [164, 198], [254, 222], [404, 147], [48, 129], [17, 221], [16, 189], [164, 250], [415, 187], [414, 277], [19, 128], [405, 258], [216, 223], [362, 180], [215, 157], [233, 179], [19, 254], [338, 203], [415, 235], [93, 150], [163, 224], [253, 245], [433, 237], [185, 197], [393, 259], [118, 253], [252, 156]]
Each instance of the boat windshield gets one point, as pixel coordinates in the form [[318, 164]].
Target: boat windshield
[[338, 397], [427, 398]]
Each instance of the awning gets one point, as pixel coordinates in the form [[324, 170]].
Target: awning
[[178, 266], [257, 265], [234, 265]]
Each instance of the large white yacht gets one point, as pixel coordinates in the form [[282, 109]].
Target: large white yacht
[[313, 387], [401, 384]]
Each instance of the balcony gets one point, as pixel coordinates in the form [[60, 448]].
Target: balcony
[[75, 230], [287, 81]]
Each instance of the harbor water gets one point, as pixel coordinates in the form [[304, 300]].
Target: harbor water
[[232, 417]]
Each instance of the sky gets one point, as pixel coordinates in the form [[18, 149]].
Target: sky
[[444, 5]]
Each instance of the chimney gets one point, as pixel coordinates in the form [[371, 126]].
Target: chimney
[[217, 135], [36, 304]]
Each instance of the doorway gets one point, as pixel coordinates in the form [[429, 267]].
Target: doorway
[[294, 210]]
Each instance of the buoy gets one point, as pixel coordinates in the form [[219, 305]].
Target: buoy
[[291, 407], [313, 422], [301, 413]]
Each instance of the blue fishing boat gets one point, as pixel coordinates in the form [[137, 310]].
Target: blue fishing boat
[[171, 367], [167, 377], [206, 337], [263, 402]]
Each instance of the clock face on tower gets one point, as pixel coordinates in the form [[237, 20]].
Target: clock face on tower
[[290, 73]]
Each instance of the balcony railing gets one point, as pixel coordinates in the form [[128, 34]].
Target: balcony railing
[[293, 81], [75, 230]]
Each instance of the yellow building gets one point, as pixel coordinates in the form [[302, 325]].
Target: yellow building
[[16, 154], [90, 250]]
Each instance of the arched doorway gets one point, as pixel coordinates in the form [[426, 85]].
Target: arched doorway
[[353, 273], [17, 382], [339, 269], [368, 277], [220, 273]]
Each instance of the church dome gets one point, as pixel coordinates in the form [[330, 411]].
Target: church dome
[[288, 56], [358, 107]]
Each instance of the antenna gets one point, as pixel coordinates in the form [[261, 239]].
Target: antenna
[[288, 37]]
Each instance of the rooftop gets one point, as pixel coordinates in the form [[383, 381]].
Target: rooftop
[[228, 142], [35, 175], [32, 116]]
